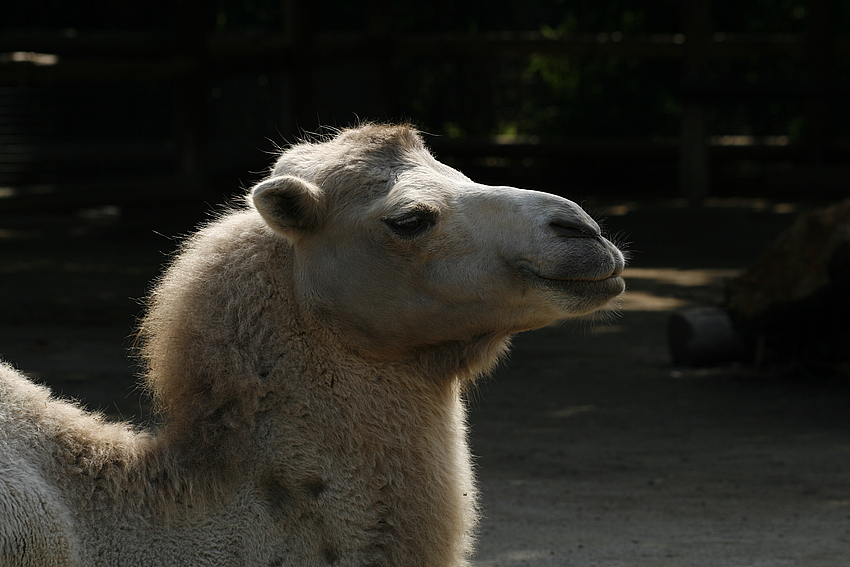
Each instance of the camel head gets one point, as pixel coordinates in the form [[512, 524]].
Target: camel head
[[397, 251]]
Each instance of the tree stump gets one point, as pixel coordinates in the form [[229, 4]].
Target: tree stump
[[793, 304]]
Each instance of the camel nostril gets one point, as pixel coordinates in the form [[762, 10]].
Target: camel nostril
[[573, 229]]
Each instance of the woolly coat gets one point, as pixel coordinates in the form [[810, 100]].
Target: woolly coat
[[297, 453], [308, 355]]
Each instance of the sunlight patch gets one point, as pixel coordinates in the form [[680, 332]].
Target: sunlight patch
[[645, 301]]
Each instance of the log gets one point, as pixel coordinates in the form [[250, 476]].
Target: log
[[704, 336]]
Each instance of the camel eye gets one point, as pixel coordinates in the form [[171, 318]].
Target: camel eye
[[412, 224]]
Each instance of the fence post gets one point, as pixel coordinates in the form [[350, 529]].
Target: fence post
[[818, 59], [382, 33], [693, 154], [299, 84], [190, 96]]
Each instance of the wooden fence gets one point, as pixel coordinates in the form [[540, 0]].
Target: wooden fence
[[188, 59]]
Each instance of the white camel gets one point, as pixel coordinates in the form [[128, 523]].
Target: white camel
[[308, 354]]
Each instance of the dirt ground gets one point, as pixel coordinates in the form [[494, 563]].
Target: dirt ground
[[591, 448]]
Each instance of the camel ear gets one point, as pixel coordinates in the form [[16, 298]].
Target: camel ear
[[290, 205]]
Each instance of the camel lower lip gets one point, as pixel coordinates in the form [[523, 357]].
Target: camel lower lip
[[612, 285]]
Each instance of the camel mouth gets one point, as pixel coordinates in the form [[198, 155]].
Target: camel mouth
[[532, 271], [613, 285], [610, 286]]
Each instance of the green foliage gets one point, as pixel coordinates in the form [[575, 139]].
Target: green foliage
[[558, 96]]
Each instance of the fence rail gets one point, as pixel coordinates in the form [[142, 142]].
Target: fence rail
[[153, 56]]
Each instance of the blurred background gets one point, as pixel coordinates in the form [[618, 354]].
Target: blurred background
[[698, 132], [110, 102]]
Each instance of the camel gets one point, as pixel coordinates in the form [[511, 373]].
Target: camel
[[309, 352]]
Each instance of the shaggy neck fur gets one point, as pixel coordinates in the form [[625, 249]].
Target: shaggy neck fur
[[207, 369], [257, 362]]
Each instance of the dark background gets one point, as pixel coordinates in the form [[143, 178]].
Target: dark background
[[114, 102], [696, 130]]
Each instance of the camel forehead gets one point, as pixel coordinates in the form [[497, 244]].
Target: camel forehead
[[368, 163], [372, 150], [423, 185]]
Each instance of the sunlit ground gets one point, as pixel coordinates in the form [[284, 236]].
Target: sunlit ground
[[666, 289]]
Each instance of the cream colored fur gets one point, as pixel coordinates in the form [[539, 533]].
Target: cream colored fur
[[308, 354]]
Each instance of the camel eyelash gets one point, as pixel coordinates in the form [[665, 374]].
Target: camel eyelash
[[412, 223]]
